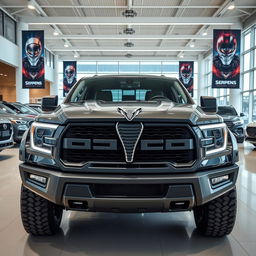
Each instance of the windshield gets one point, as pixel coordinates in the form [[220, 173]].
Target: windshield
[[24, 109], [132, 89], [5, 110], [227, 111]]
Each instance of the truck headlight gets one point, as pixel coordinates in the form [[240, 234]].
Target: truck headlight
[[41, 137], [22, 122], [214, 138], [239, 122]]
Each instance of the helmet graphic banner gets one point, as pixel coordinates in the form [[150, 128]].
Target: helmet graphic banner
[[69, 76], [33, 70], [186, 75], [226, 58]]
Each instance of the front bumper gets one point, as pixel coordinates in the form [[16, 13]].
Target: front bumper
[[76, 191]]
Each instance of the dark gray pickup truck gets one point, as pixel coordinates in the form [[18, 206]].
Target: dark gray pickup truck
[[129, 144]]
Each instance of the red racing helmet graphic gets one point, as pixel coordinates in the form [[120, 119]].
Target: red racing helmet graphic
[[186, 71], [226, 47]]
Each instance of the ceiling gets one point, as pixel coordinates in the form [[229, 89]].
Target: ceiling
[[164, 29]]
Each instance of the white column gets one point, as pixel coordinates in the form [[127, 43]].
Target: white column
[[22, 95], [55, 84], [201, 80], [235, 96]]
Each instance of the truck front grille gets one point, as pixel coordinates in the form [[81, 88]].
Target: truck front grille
[[5, 132], [101, 143]]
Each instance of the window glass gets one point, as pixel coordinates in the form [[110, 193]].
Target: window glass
[[247, 61], [254, 107], [169, 67], [9, 29], [86, 67], [254, 80], [129, 67], [1, 23], [245, 106], [108, 67], [247, 41], [246, 81], [150, 67]]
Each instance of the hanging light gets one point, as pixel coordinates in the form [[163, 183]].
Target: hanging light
[[31, 5]]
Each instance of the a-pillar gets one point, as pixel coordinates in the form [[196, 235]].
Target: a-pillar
[[22, 95]]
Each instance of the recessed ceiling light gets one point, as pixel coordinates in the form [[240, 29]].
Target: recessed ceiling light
[[204, 33], [1, 74], [76, 55], [55, 33], [231, 6], [5, 75], [31, 5], [66, 45], [181, 56], [192, 45]]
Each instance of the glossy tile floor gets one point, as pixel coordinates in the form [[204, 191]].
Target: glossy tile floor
[[120, 235]]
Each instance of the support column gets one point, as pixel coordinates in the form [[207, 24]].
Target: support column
[[235, 96], [201, 91], [55, 84], [22, 95]]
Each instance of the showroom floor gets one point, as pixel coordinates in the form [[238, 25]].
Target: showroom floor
[[134, 234]]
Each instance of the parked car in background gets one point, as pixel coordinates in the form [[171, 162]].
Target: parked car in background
[[20, 108], [20, 122], [233, 121], [6, 134], [250, 133], [37, 107]]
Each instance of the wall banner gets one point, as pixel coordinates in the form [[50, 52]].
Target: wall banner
[[69, 76], [33, 59], [226, 58], [186, 75]]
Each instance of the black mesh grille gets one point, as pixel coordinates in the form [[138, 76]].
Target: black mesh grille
[[251, 131], [108, 131], [5, 132]]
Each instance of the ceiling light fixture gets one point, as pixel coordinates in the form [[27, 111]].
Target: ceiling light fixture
[[55, 33], [192, 45], [129, 44], [129, 31], [129, 13], [66, 45], [31, 5], [128, 55], [181, 56], [76, 55], [205, 33], [231, 5]]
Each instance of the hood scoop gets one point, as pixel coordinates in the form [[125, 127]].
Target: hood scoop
[[129, 135]]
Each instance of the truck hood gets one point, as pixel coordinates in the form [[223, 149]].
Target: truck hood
[[150, 111]]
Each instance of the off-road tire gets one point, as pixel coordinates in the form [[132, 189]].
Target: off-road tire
[[40, 217], [217, 217]]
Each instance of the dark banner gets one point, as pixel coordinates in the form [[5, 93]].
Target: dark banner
[[186, 75], [226, 58], [33, 59], [69, 76]]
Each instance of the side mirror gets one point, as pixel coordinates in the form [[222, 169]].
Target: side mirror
[[208, 104], [242, 114], [49, 103]]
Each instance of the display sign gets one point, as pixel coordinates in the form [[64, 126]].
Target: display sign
[[69, 76], [186, 75], [226, 58], [33, 59]]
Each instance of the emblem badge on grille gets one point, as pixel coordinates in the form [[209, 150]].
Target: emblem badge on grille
[[129, 114], [5, 126]]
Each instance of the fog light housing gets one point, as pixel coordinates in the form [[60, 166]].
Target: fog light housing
[[218, 180], [38, 179]]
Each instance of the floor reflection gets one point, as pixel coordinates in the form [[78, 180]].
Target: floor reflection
[[134, 234]]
